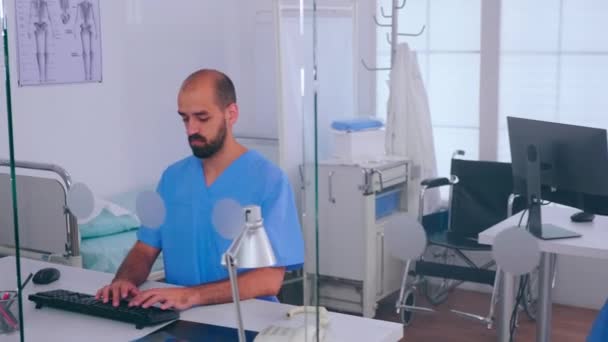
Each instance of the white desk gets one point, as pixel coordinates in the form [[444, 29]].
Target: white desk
[[592, 244], [49, 324]]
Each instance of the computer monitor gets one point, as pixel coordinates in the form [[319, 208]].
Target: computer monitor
[[561, 163]]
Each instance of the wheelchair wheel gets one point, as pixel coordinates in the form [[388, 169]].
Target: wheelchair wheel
[[406, 315], [530, 300], [434, 289]]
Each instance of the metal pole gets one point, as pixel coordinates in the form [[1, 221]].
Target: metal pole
[[394, 31], [234, 285], [543, 324], [401, 300], [506, 303]]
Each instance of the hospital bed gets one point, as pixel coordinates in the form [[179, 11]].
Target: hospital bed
[[47, 229]]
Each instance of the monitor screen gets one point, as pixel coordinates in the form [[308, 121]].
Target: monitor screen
[[573, 161]]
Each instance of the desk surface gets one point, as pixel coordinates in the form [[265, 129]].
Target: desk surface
[[592, 244], [49, 324]]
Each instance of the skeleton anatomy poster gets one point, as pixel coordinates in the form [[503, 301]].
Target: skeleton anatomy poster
[[58, 41]]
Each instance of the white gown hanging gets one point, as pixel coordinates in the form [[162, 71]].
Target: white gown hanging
[[408, 126]]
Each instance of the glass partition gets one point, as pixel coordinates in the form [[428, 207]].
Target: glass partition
[[11, 304], [383, 76], [398, 101], [359, 186], [142, 133]]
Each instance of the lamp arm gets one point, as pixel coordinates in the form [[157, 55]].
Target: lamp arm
[[235, 246], [231, 262], [234, 285]]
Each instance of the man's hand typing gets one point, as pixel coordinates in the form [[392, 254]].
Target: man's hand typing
[[169, 298]]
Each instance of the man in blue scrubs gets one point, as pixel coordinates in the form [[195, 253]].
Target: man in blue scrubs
[[220, 169]]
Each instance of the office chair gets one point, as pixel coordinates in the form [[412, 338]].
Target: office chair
[[480, 197]]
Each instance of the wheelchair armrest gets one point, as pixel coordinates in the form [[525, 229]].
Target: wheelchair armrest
[[430, 183]]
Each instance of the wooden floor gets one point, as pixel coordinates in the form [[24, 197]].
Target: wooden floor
[[569, 324]]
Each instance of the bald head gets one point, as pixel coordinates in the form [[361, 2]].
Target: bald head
[[225, 94], [207, 106]]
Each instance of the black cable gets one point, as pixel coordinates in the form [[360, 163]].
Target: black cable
[[523, 282], [523, 213], [520, 294], [513, 313]]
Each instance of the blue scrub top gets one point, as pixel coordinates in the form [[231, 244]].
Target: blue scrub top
[[192, 248], [599, 330]]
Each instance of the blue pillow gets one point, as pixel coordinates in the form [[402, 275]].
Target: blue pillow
[[359, 124], [107, 223]]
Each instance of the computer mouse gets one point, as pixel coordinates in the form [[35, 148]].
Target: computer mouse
[[46, 276], [582, 217]]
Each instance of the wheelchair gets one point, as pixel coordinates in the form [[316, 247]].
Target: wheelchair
[[480, 196]]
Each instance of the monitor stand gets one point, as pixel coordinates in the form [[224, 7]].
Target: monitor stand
[[535, 226], [552, 232]]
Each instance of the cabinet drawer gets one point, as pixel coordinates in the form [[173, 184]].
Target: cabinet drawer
[[378, 179]]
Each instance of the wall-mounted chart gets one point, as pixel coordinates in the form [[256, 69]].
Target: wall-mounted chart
[[58, 41]]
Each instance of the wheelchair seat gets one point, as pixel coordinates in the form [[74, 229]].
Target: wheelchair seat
[[450, 240]]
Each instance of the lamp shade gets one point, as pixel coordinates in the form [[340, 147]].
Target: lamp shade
[[255, 251], [252, 248]]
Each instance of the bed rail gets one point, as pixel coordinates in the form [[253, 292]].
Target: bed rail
[[72, 246]]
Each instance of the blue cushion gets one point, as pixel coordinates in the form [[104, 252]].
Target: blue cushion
[[359, 124], [106, 253], [106, 223]]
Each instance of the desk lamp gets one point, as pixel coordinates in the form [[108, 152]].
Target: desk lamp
[[250, 249]]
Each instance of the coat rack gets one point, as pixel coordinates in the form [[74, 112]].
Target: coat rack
[[392, 37]]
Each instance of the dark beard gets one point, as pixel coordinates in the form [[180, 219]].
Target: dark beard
[[211, 147]]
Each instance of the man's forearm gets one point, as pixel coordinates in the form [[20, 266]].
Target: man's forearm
[[254, 283], [135, 268]]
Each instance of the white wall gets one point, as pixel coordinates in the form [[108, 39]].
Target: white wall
[[120, 134], [336, 85]]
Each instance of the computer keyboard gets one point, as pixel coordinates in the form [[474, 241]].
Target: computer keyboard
[[88, 305]]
